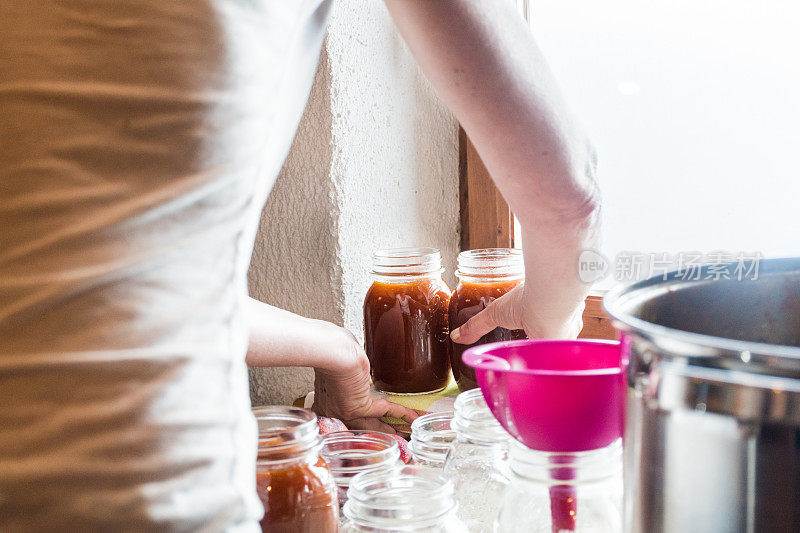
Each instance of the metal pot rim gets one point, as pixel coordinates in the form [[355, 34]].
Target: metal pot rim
[[622, 297]]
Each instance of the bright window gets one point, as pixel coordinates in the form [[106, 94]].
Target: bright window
[[694, 109]]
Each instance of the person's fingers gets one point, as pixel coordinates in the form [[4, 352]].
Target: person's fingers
[[383, 408], [502, 312], [474, 328], [371, 424]]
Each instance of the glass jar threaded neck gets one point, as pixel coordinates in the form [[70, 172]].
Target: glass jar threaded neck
[[285, 434], [488, 265], [473, 421], [416, 497], [349, 453], [431, 437], [566, 468], [400, 265]]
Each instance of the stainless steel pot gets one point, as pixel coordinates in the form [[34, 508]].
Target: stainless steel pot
[[712, 442]]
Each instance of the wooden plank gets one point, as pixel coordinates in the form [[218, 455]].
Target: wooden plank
[[486, 220], [463, 188]]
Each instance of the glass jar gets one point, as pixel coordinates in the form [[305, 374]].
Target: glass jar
[[349, 453], [405, 321], [411, 499], [431, 437], [484, 275], [477, 462], [293, 482], [549, 492]]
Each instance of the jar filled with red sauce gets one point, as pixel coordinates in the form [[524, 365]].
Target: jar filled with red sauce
[[483, 276], [293, 482], [405, 321]]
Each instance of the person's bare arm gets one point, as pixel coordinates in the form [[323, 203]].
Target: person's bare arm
[[341, 368], [281, 338], [482, 59]]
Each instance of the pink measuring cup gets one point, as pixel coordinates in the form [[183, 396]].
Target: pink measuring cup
[[554, 396]]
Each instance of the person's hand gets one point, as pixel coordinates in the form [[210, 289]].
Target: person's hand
[[343, 391], [515, 310]]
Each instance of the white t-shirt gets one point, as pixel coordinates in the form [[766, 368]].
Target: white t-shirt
[[138, 141]]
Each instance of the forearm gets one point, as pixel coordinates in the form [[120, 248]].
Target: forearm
[[482, 59], [281, 338]]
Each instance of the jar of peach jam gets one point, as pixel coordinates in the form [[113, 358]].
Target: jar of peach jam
[[405, 321], [293, 482], [484, 275]]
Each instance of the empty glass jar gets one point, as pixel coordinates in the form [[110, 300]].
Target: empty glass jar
[[577, 492], [477, 462], [411, 499], [349, 453], [431, 437]]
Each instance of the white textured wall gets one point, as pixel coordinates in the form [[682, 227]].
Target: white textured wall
[[374, 164]]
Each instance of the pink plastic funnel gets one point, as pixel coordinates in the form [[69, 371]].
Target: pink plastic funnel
[[554, 396]]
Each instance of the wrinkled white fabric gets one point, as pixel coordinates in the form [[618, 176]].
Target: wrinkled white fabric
[[138, 140]]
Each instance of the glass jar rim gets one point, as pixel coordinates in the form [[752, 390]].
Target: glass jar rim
[[491, 264], [410, 261], [413, 495], [285, 433], [431, 436], [566, 468], [474, 420], [375, 450], [439, 416]]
